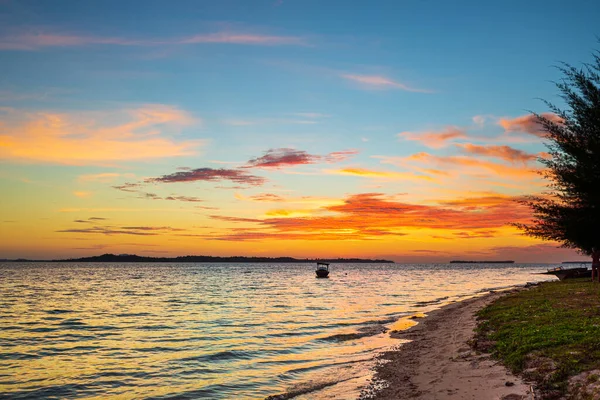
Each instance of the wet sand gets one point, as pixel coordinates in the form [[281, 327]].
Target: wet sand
[[438, 362]]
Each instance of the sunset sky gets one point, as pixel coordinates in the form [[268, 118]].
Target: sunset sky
[[389, 129]]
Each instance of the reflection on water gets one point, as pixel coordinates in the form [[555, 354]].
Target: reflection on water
[[212, 330]]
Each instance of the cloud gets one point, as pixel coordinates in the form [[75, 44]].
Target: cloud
[[234, 219], [82, 195], [379, 82], [267, 197], [528, 124], [369, 173], [464, 165], [124, 230], [191, 199], [36, 41], [210, 175], [128, 187], [106, 231], [368, 216], [313, 115], [152, 228], [505, 153], [244, 38], [90, 139], [149, 196], [435, 139], [288, 157]]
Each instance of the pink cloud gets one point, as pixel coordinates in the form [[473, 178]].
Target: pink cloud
[[435, 139], [244, 38], [380, 82], [35, 41], [528, 123], [288, 157]]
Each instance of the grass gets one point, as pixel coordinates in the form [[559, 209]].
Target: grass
[[548, 333]]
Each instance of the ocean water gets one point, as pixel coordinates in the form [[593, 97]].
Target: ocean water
[[215, 331]]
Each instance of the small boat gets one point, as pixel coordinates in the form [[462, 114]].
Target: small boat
[[322, 270], [568, 273]]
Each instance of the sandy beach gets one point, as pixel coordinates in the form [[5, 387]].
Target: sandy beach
[[438, 362]]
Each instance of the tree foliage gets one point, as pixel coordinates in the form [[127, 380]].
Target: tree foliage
[[570, 212]]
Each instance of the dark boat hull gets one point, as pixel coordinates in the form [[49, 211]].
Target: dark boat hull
[[322, 273]]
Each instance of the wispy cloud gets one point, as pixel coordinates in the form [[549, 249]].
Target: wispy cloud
[[191, 199], [267, 197], [435, 139], [129, 187], [466, 165], [505, 153], [210, 175], [379, 82], [87, 139], [123, 230], [370, 173], [36, 41], [527, 123]]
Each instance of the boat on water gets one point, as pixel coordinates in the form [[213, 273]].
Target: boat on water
[[568, 273], [322, 270]]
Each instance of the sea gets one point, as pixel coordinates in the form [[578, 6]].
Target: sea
[[217, 331]]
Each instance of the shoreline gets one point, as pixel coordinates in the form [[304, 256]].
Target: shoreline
[[439, 363]]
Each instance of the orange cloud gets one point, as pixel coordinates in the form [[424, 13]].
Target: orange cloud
[[528, 123], [82, 140], [369, 173], [506, 153], [34, 41], [367, 216], [465, 165], [379, 82], [435, 140], [82, 195]]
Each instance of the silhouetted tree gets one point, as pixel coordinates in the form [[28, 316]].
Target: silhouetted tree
[[570, 212]]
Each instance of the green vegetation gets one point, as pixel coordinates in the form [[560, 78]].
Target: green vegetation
[[569, 212], [547, 333]]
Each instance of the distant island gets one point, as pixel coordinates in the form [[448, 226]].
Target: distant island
[[482, 262], [212, 259], [576, 262]]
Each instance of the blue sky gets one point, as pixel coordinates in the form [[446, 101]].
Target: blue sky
[[403, 87]]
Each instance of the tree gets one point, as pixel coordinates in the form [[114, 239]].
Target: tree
[[570, 212]]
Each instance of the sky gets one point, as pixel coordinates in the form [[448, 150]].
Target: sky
[[375, 129]]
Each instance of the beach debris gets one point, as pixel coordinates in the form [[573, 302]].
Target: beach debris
[[509, 383]]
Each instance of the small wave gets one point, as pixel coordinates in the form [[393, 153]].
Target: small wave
[[154, 327], [222, 356], [140, 314], [72, 323], [370, 330], [59, 311], [431, 302]]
